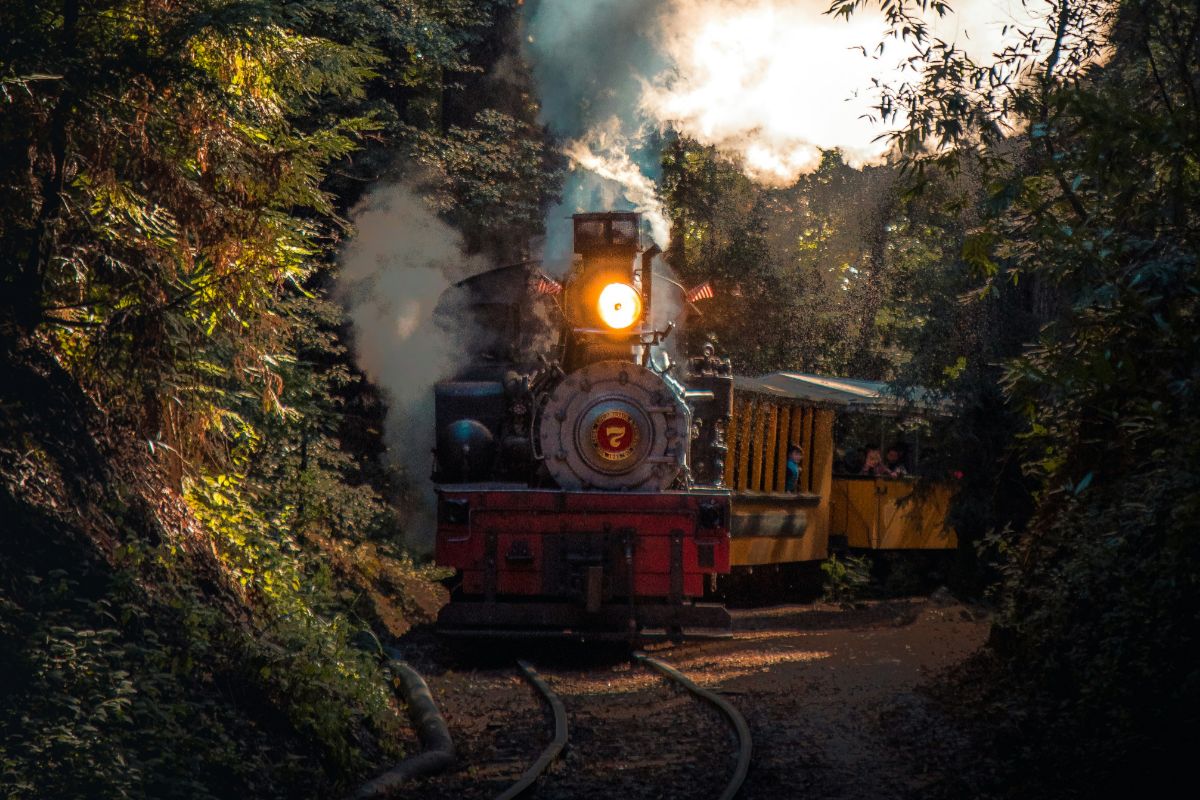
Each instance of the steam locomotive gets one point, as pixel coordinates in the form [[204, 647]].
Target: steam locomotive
[[579, 470]]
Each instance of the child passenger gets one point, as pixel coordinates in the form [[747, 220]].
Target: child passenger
[[894, 462], [794, 457], [873, 464]]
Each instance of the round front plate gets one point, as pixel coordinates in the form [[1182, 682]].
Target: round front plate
[[615, 435]]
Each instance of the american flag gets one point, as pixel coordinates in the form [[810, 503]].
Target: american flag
[[702, 292], [547, 285]]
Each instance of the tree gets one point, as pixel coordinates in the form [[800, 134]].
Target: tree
[[172, 180], [1086, 138]]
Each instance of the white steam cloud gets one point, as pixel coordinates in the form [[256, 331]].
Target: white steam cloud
[[399, 262], [616, 166], [590, 60], [772, 82], [777, 82]]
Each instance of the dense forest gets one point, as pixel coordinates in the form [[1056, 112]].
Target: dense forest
[[203, 547]]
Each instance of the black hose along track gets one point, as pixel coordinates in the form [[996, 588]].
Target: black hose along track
[[530, 780], [437, 748]]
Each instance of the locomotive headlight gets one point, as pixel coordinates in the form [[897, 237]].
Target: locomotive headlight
[[620, 305]]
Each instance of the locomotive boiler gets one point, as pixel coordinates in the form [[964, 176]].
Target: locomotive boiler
[[579, 469]]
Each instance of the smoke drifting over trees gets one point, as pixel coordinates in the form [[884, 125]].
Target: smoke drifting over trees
[[770, 84], [774, 83], [589, 62]]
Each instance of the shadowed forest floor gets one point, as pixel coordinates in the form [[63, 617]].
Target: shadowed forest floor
[[834, 697]]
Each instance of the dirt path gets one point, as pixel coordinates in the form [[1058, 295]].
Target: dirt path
[[831, 696]]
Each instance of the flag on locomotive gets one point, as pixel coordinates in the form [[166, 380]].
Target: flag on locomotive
[[579, 471]]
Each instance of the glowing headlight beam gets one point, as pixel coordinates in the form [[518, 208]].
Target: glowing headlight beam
[[620, 305]]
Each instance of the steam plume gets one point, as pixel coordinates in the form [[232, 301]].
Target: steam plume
[[772, 82], [393, 271], [590, 60], [776, 82]]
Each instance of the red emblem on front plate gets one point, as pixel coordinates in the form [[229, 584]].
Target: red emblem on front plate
[[615, 435]]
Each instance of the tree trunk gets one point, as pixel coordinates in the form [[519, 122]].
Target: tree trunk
[[27, 301]]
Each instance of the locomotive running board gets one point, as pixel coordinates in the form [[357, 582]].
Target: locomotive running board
[[543, 619]]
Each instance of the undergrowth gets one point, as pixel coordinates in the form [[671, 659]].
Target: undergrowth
[[166, 649], [845, 580]]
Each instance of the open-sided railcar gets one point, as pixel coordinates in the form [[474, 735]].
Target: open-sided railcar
[[830, 504]]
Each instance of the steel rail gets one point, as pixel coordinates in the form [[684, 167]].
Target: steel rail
[[725, 707], [535, 770]]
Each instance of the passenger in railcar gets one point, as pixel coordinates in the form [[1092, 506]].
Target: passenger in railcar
[[894, 461], [847, 460], [794, 456], [873, 463]]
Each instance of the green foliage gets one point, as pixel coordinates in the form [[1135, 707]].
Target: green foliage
[[1034, 257], [169, 699], [170, 190], [1087, 238], [719, 235], [845, 580], [496, 177], [172, 171], [139, 665], [171, 182], [842, 273], [797, 270]]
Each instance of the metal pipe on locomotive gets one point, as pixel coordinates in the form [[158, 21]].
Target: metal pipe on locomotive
[[579, 472]]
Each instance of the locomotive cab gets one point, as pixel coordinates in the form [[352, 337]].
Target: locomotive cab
[[483, 414]]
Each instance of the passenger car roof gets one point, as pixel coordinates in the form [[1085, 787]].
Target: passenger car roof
[[845, 394]]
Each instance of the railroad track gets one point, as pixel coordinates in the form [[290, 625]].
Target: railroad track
[[529, 779]]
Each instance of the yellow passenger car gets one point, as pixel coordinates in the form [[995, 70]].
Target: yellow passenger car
[[774, 523]]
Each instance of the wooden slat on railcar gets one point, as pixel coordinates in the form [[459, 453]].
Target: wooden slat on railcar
[[806, 443], [756, 457], [821, 462], [785, 441], [743, 462], [770, 449], [731, 442]]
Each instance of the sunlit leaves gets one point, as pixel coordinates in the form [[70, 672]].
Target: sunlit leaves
[[496, 174], [977, 252], [195, 192], [166, 170]]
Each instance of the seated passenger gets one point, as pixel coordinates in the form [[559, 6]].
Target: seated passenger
[[845, 460], [873, 464], [894, 462], [794, 456]]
